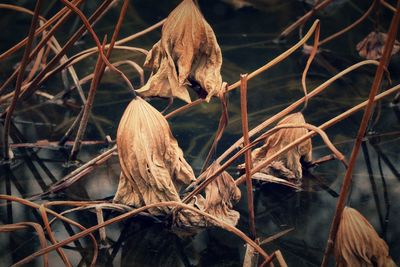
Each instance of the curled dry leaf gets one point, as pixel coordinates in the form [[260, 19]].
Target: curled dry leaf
[[358, 244], [187, 54], [288, 164], [371, 47], [221, 195], [153, 166]]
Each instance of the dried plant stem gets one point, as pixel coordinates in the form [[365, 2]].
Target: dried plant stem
[[308, 64], [388, 6], [141, 33], [50, 65], [20, 77], [60, 217], [286, 148], [351, 26], [258, 71], [38, 229], [295, 105], [50, 233], [38, 31], [37, 49], [310, 127], [304, 18], [248, 162], [387, 51], [98, 73], [132, 213], [281, 57], [87, 107], [78, 173], [131, 37]]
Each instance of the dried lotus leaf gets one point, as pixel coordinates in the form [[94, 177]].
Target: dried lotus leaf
[[358, 244], [221, 195], [288, 164], [371, 47], [187, 53], [153, 166]]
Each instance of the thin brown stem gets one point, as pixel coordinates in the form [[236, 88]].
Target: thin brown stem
[[248, 163], [60, 217], [20, 77], [387, 51], [47, 24], [304, 18], [98, 73], [83, 233], [88, 106], [38, 79], [351, 26], [258, 71]]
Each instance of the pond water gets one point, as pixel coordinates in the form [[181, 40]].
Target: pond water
[[247, 39]]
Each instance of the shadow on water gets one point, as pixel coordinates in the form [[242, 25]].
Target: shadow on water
[[246, 37]]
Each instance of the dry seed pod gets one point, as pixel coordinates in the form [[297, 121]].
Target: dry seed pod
[[288, 164], [153, 166], [371, 47], [188, 53], [358, 244]]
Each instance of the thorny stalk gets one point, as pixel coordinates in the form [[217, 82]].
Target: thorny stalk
[[387, 51], [20, 77], [248, 163]]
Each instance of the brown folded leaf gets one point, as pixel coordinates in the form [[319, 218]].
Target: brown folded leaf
[[153, 166], [358, 244], [188, 53], [371, 47], [221, 195], [288, 164]]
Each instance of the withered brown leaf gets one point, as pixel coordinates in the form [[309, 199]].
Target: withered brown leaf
[[187, 53], [358, 244], [371, 47], [221, 195], [152, 164], [288, 164]]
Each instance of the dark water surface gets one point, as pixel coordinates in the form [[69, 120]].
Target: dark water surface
[[246, 38]]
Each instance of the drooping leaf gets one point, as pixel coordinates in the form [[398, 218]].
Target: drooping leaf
[[287, 165], [358, 244], [153, 166], [187, 54], [371, 47]]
